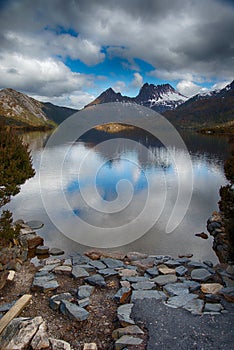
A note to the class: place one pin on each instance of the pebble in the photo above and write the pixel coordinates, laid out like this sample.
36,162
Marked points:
108,272
56,251
123,294
42,250
165,270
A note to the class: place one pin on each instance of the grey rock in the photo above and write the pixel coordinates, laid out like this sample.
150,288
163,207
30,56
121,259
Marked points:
63,270
172,263
147,294
192,285
183,260
112,263
228,282
44,283
200,275
213,225
87,267
84,302
108,272
42,250
79,259
55,300
173,289
85,291
56,251
180,300
73,311
6,306
135,279
67,262
96,280
153,271
40,339
208,263
35,224
211,307
124,314
195,306
228,293
58,344
164,279
48,268
212,298
133,256
143,285
123,294
129,330
127,340
181,270
79,272
97,264
197,265
230,270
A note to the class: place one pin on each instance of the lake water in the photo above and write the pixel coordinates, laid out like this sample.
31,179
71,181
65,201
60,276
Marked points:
136,166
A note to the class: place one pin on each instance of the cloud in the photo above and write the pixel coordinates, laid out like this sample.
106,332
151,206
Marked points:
120,86
137,80
188,88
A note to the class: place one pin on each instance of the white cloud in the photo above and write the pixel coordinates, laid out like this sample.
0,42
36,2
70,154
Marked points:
189,88
220,85
137,80
119,86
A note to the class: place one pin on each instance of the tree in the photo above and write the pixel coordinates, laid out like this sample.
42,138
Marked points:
15,169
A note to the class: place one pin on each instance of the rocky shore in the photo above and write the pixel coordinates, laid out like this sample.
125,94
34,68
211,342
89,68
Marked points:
86,301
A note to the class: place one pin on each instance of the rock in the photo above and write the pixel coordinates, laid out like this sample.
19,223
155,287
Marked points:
48,268
181,270
200,275
59,344
114,255
228,293
55,300
96,280
11,275
129,330
108,272
6,307
87,267
165,270
202,235
123,314
180,300
112,263
67,262
73,311
42,250
192,285
56,251
63,270
33,240
85,291
135,279
84,302
79,272
123,294
211,307
153,271
211,288
185,256
228,282
230,270
40,339
44,284
90,346
79,259
19,333
197,265
173,289
94,254
127,340
164,279
143,285
212,298
172,263
147,294
53,261
144,264
195,306
97,264
125,284
208,263
127,273
213,225
183,260
133,256
35,224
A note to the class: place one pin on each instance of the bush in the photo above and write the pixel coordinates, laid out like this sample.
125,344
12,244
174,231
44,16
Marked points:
7,231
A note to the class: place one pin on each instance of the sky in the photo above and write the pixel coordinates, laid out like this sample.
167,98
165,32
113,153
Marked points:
68,52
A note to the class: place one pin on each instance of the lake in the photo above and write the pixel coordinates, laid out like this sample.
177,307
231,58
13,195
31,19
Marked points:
103,188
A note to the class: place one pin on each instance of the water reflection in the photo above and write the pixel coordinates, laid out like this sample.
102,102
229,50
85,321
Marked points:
135,165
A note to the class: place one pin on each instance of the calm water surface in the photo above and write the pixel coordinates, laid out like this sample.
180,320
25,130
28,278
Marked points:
135,165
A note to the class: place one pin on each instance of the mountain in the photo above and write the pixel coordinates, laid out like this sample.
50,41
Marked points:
205,110
21,110
158,97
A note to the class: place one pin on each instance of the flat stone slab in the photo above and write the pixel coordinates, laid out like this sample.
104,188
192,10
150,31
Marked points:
84,302
135,279
55,300
127,273
194,306
49,268
143,285
123,294
165,270
85,291
79,272
153,271
197,265
172,263
211,288
129,330
35,224
173,289
96,280
97,264
63,270
108,272
211,307
42,250
164,279
228,293
123,314
79,259
180,300
201,275
56,251
147,294
87,267
192,285
127,340
181,270
113,263
44,283
133,256
73,311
